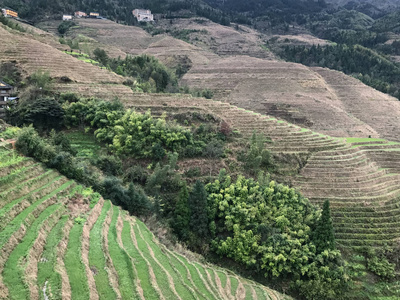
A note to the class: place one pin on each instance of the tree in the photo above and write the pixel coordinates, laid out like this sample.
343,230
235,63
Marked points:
181,218
138,203
324,238
44,114
198,211
101,56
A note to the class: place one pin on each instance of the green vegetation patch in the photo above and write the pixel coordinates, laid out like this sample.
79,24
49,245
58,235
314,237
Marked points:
18,220
14,268
84,144
46,267
121,261
166,263
74,265
140,264
161,276
97,260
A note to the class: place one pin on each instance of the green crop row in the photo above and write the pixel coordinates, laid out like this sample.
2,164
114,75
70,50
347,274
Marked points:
97,259
20,219
74,265
15,267
121,261
46,267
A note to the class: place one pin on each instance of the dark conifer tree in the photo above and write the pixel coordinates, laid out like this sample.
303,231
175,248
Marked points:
324,238
198,211
181,219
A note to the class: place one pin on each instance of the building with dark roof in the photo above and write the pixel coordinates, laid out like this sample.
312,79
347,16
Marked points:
5,91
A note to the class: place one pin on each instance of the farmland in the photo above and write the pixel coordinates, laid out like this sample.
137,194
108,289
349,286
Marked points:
55,245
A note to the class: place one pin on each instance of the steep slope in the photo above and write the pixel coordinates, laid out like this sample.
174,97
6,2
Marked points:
222,40
32,55
357,175
322,100
134,40
54,244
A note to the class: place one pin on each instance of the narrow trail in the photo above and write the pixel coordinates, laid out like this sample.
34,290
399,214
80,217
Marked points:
253,292
187,271
152,276
213,283
169,277
35,254
219,285
112,273
119,227
60,266
240,291
94,214
228,287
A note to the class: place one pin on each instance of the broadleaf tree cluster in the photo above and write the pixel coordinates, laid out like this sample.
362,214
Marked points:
266,227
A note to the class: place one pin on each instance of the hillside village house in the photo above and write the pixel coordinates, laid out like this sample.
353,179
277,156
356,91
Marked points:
143,15
94,15
67,17
7,12
5,91
80,14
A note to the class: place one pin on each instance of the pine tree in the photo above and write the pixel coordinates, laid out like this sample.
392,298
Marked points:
198,211
324,238
181,219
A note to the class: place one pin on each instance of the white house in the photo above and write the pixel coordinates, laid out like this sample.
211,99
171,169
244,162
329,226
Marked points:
143,15
67,17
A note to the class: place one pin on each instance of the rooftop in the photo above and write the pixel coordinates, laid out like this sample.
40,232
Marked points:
5,86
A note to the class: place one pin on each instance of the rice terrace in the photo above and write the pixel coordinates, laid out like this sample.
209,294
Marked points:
200,149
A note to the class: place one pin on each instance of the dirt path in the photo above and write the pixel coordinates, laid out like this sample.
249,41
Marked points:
253,292
219,285
60,266
86,245
189,276
151,271
36,251
170,279
228,287
119,227
240,291
112,273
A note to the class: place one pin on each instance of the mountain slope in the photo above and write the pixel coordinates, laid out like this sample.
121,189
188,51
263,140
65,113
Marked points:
322,100
56,242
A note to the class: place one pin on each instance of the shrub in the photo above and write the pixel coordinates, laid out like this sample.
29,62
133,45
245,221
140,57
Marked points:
65,26
136,174
43,113
111,165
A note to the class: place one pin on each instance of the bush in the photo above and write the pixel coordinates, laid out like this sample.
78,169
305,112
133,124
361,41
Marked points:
43,113
381,267
41,80
65,26
136,174
109,164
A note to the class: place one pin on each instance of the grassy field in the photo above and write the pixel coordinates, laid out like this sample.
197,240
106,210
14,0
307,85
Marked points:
43,252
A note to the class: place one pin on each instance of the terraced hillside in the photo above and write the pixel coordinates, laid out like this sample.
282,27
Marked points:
32,55
134,40
359,176
57,243
320,99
